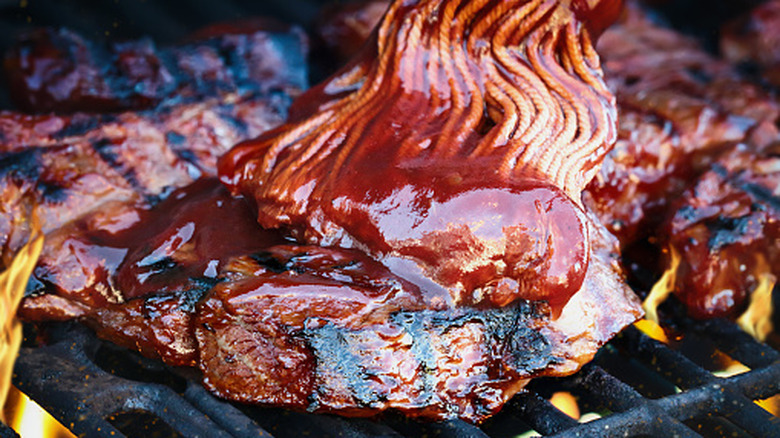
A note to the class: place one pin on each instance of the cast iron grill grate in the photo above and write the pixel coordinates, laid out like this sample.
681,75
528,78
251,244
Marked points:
641,386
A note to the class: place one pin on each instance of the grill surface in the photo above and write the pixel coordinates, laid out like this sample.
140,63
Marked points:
101,390
640,386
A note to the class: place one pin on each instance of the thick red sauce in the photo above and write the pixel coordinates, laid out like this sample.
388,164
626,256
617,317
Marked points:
131,252
198,228
454,149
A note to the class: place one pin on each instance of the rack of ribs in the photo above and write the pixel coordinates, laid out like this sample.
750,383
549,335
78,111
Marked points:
424,244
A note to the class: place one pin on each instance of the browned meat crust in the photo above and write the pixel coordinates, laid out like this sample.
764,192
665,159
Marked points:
87,179
59,70
307,327
679,108
77,164
356,349
726,229
291,325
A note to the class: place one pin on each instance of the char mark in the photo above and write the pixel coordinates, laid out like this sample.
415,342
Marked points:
349,359
106,149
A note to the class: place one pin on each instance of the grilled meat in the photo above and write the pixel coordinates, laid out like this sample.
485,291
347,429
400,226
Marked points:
425,159
135,274
88,179
726,229
473,190
291,324
679,108
753,41
59,70
78,164
357,348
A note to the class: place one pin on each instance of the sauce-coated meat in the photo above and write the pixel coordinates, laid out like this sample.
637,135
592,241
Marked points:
726,229
61,168
679,107
468,264
454,153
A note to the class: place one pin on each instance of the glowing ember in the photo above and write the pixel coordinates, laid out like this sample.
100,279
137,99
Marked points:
757,319
662,288
566,403
13,282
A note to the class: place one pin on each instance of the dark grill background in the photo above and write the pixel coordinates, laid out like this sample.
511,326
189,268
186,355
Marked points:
642,387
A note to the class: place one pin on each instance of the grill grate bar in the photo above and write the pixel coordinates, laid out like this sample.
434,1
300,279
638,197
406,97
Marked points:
66,382
608,390
670,363
635,415
540,414
686,374
222,413
455,429
7,432
705,395
736,343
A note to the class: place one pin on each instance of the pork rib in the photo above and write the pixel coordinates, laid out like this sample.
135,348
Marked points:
726,229
341,329
59,70
679,107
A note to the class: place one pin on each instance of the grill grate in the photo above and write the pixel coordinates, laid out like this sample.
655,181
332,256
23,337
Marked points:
101,390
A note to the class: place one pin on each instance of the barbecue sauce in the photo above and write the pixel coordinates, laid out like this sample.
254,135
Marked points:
454,149
180,244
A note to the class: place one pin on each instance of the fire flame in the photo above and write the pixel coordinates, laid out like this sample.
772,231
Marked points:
566,403
662,288
13,282
757,319
652,329
31,420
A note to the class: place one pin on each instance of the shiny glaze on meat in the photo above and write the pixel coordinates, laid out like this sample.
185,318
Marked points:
60,168
167,257
679,108
454,149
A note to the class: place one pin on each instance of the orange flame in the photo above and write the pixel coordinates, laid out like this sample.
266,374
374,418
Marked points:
771,404
652,329
662,288
13,282
757,319
566,403
30,420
